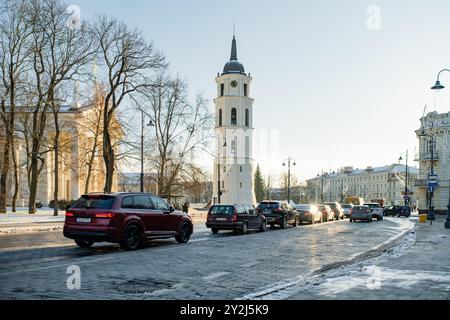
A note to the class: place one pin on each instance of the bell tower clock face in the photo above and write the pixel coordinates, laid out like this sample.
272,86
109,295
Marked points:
234,84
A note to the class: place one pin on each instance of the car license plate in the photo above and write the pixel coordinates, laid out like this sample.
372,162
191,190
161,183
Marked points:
270,219
221,219
84,220
267,211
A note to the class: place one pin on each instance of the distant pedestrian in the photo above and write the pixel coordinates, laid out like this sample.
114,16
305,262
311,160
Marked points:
186,208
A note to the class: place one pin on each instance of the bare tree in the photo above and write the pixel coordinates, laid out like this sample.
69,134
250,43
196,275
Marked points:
127,61
59,53
14,35
180,128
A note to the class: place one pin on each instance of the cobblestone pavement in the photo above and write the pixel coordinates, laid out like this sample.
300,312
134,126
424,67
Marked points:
222,266
417,269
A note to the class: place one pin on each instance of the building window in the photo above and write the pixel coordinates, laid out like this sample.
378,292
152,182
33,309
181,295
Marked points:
224,169
247,117
240,168
223,184
220,117
222,89
245,90
240,184
233,117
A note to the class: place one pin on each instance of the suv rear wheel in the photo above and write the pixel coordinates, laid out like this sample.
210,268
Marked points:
244,228
284,223
132,239
263,227
214,230
84,243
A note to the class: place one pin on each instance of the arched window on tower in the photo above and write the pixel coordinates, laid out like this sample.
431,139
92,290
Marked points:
233,117
220,117
247,118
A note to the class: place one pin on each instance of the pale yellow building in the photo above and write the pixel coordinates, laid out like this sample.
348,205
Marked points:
81,135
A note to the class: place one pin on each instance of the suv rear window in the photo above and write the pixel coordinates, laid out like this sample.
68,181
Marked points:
346,206
94,202
268,205
222,210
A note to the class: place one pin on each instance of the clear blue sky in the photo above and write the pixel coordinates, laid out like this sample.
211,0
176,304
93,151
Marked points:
339,93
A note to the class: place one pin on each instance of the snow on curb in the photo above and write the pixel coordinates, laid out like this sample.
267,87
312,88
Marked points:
29,229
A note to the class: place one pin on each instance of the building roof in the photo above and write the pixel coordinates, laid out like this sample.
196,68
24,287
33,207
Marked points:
233,66
393,168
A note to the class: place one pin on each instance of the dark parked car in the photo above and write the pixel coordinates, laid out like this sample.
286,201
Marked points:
235,217
327,213
397,211
278,213
124,218
361,213
337,209
308,213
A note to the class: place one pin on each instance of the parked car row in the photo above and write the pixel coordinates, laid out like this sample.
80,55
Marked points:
131,218
242,218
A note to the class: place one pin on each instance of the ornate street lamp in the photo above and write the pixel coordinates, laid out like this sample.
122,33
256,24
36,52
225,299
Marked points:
288,160
150,124
439,86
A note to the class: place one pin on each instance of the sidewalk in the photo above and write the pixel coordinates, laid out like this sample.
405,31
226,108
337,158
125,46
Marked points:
43,220
418,269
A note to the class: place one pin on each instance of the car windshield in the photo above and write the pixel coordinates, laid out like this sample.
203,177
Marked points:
268,205
346,206
222,210
360,208
332,205
303,207
372,205
94,202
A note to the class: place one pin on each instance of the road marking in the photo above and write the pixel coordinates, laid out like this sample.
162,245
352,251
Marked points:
215,275
56,266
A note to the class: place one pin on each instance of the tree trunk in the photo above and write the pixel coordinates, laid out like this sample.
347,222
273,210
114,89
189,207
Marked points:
16,176
33,183
90,164
4,176
56,169
108,156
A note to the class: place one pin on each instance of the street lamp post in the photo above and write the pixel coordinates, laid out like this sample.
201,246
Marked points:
289,176
439,86
150,124
406,178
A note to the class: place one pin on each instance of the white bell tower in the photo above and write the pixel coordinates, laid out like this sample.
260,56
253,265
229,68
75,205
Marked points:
233,166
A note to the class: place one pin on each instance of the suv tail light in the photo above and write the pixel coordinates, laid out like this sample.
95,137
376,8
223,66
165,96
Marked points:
69,214
108,215
278,210
235,215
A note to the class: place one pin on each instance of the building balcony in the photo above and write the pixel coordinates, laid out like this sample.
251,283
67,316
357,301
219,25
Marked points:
427,156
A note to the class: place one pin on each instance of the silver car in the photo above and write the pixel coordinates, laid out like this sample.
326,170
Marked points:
361,213
308,213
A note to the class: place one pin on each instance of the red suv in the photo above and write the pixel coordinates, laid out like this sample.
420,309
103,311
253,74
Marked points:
124,218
